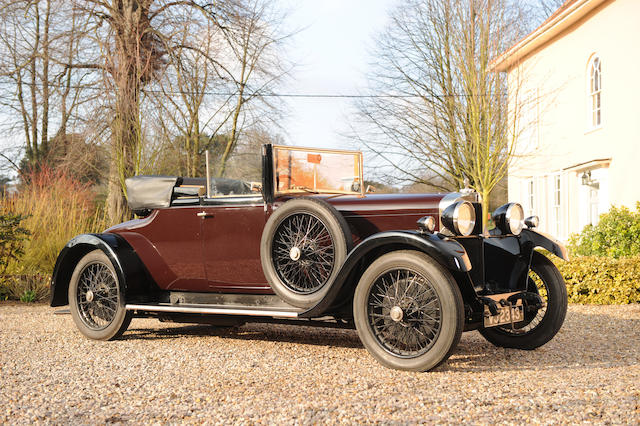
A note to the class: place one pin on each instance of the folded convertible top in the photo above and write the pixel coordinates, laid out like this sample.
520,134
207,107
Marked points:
156,191
150,192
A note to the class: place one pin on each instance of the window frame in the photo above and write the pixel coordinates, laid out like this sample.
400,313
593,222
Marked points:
531,193
594,93
557,202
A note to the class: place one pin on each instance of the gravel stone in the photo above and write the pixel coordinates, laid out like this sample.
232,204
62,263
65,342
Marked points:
265,373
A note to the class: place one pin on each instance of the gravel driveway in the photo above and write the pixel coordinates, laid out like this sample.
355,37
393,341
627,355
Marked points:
173,373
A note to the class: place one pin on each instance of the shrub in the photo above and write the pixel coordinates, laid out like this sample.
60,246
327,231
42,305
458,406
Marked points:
26,288
55,207
602,280
12,238
617,234
29,296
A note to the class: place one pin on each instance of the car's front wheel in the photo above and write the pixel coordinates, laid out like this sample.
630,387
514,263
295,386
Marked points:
95,299
408,311
540,325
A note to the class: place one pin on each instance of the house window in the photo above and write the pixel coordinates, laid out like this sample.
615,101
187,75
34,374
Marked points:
595,92
556,204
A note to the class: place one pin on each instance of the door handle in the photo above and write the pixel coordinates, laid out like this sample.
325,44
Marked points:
204,214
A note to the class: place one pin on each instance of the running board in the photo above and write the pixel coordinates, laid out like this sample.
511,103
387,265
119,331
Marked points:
216,310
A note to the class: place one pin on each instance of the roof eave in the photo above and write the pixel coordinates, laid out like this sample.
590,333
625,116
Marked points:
543,34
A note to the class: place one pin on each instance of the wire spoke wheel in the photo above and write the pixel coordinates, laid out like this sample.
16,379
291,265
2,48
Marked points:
303,252
408,311
95,299
539,325
304,243
404,312
97,296
535,284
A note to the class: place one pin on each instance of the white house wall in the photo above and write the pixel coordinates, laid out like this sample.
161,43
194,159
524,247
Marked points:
559,139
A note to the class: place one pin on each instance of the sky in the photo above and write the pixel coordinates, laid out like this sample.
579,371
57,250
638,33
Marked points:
333,51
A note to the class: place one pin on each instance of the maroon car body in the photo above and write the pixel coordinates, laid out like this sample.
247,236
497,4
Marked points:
220,251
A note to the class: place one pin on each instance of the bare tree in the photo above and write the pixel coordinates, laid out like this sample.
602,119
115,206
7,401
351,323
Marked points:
443,118
134,37
94,65
37,41
189,101
212,90
254,38
547,7
140,38
130,53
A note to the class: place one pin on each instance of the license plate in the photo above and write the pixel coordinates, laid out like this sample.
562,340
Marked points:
506,315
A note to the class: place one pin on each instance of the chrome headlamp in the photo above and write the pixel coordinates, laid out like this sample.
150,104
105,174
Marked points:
509,218
532,221
427,224
460,218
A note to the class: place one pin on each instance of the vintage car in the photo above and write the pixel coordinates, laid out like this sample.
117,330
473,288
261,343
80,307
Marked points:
310,245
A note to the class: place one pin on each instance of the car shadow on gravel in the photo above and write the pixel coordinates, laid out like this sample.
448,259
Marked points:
304,335
585,340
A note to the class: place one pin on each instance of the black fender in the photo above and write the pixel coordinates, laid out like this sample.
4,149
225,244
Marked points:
446,251
542,240
130,270
507,259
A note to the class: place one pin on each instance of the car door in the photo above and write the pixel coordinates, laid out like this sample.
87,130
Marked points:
231,232
170,245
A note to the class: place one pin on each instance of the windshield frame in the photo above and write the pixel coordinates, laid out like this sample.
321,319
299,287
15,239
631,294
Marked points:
357,154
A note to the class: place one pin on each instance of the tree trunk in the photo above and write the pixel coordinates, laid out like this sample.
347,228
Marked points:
126,145
34,92
234,133
131,24
117,209
485,209
44,147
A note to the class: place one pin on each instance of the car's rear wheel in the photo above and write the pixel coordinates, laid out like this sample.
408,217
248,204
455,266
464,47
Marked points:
304,243
95,298
408,311
540,325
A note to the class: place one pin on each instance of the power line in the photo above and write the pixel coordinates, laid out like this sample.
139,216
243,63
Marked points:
276,95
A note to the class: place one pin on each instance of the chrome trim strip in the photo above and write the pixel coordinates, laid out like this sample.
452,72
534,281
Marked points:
308,148
207,310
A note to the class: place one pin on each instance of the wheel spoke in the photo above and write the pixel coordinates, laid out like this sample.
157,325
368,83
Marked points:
315,264
97,296
415,332
537,285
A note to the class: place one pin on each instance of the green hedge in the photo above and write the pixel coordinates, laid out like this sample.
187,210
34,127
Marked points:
602,280
617,234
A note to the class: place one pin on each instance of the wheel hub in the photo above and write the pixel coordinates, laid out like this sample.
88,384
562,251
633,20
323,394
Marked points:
89,296
396,313
295,253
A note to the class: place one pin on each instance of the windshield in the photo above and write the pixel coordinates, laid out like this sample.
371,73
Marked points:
317,170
